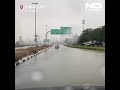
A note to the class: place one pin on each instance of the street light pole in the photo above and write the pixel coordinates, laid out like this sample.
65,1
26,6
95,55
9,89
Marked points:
45,41
35,22
35,25
46,34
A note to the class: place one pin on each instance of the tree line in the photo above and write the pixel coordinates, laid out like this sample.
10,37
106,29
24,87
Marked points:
90,34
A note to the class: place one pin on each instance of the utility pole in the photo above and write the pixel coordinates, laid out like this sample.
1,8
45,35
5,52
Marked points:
35,40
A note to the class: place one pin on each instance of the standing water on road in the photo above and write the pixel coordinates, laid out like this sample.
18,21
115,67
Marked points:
62,67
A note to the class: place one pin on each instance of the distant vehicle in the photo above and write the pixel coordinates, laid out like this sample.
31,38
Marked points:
57,46
87,43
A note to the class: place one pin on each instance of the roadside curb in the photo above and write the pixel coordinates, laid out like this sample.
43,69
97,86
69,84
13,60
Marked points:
29,57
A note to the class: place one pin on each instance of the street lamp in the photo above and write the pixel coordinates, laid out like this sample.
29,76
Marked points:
35,26
46,34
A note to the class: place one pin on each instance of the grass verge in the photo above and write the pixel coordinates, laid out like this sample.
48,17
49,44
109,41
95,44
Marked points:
87,47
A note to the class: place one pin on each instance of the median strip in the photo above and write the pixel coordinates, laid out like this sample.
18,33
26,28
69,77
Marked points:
21,55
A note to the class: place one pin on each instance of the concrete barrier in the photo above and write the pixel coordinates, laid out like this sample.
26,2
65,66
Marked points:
24,58
20,61
29,57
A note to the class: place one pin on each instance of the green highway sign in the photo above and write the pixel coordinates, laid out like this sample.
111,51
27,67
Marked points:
61,31
66,30
55,31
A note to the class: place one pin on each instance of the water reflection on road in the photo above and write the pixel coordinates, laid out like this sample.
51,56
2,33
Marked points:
62,67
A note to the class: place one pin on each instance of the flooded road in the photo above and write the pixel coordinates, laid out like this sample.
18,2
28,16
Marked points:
62,67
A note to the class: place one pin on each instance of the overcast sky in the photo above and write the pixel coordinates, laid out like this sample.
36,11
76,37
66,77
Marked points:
56,13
